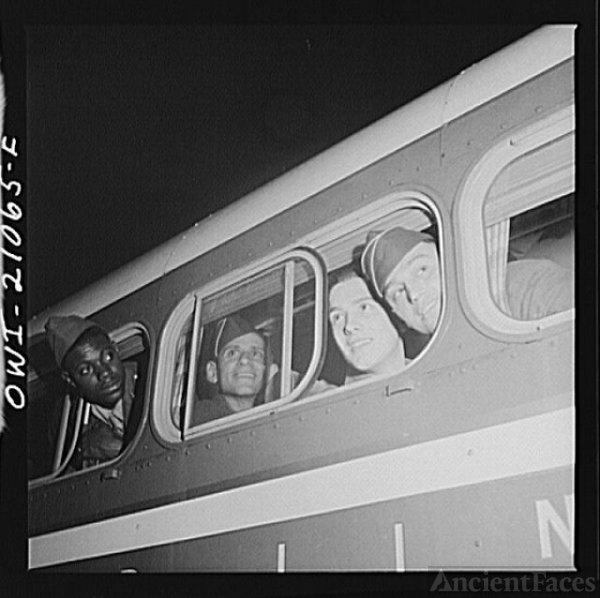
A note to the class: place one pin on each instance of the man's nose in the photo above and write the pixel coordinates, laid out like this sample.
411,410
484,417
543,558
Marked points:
351,324
246,356
103,372
413,292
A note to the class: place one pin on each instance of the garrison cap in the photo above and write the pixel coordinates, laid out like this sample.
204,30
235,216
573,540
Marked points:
385,250
230,328
63,331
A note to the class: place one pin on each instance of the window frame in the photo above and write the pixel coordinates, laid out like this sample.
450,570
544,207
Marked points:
470,226
191,305
398,199
393,201
119,335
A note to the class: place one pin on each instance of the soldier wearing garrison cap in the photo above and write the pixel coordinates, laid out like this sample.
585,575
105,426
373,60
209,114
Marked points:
235,369
403,267
93,370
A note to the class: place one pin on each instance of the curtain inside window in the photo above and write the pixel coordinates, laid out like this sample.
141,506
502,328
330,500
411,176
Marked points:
497,251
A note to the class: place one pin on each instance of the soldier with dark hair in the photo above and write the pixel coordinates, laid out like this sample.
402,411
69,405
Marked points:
362,329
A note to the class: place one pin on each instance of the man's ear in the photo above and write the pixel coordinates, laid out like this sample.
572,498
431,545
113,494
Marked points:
67,378
211,372
71,386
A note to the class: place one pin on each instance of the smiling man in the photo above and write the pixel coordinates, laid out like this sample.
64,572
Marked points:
362,329
403,267
236,370
93,370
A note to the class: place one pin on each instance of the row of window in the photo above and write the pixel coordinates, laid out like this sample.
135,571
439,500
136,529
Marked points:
240,349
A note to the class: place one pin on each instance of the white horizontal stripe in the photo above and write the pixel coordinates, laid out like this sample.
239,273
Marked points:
525,446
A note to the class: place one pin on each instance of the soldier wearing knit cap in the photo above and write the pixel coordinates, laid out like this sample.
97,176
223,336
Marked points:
92,368
236,369
403,268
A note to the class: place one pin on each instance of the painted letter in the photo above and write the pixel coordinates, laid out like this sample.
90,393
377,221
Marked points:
547,516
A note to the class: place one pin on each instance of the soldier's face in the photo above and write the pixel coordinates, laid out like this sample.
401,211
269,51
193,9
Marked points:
241,366
362,329
413,290
95,369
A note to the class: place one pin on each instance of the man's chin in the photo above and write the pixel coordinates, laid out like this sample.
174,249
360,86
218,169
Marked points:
244,393
431,317
363,366
108,401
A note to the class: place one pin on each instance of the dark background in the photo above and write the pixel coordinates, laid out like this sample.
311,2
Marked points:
136,132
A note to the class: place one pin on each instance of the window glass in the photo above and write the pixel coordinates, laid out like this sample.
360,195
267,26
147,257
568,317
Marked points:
529,232
249,344
67,434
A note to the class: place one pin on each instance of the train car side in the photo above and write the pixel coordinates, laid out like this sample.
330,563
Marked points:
465,459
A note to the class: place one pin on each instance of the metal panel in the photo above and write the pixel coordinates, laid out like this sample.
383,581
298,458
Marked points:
520,523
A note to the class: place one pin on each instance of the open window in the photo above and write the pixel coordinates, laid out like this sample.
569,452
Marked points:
242,348
58,420
283,305
341,248
530,232
524,188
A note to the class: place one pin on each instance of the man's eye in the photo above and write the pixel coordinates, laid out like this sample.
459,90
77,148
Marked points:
84,370
366,306
230,353
335,318
258,355
109,355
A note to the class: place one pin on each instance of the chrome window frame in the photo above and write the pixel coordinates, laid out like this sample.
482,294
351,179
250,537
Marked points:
192,304
118,335
313,244
469,225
